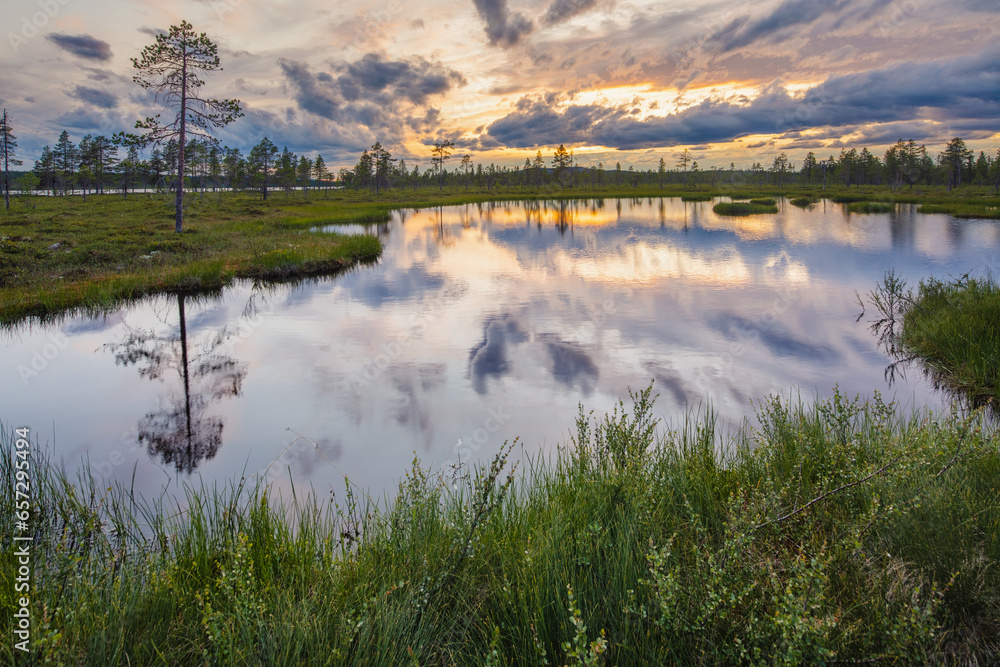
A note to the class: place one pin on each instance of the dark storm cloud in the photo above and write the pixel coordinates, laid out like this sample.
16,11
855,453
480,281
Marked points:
99,98
414,80
372,92
793,15
83,46
312,91
502,28
563,10
965,89
790,13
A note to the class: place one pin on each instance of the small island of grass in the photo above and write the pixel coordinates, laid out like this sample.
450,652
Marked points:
871,207
743,208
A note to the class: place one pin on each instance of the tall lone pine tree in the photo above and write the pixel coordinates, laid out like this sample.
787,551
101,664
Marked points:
8,142
169,68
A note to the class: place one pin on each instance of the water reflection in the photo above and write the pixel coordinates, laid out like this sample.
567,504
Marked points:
486,322
182,433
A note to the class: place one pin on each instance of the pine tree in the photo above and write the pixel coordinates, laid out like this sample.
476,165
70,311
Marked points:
8,146
66,158
561,161
305,172
45,167
169,68
319,170
261,161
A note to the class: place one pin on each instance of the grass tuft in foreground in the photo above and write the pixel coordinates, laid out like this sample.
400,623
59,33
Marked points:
744,208
840,532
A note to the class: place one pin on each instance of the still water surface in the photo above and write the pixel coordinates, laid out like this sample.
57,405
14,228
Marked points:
481,323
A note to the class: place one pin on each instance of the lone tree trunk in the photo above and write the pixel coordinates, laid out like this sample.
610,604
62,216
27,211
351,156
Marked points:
182,144
8,142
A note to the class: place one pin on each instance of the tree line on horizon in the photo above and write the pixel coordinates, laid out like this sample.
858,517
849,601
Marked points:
97,164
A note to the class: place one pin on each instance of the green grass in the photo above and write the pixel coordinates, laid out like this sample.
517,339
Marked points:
803,202
65,253
743,208
763,202
964,210
847,531
951,327
871,207
697,197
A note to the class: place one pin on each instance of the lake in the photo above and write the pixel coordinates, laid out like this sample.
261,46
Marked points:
480,324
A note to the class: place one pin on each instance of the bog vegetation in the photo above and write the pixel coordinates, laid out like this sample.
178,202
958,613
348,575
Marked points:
843,532
951,327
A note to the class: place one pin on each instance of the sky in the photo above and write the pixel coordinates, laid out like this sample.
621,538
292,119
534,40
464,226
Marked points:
614,80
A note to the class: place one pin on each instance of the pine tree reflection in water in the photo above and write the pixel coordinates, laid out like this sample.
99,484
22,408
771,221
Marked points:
181,433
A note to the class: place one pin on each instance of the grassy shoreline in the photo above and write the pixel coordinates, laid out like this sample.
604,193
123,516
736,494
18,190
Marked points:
843,531
58,254
952,327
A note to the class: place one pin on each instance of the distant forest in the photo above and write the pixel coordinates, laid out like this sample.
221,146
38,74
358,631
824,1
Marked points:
98,164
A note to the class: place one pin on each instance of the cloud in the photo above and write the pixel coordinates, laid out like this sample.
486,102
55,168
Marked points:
99,98
571,365
490,357
83,46
415,79
965,89
383,96
789,13
563,10
502,28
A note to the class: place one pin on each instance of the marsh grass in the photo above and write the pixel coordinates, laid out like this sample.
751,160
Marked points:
989,211
843,531
763,202
803,202
871,207
65,253
952,327
744,208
